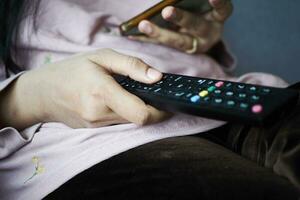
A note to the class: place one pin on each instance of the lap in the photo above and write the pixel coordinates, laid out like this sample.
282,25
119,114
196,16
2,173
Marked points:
176,168
276,146
193,167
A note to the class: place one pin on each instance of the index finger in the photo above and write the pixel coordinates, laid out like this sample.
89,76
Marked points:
118,63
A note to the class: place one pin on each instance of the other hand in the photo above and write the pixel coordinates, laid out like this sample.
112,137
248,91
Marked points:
197,33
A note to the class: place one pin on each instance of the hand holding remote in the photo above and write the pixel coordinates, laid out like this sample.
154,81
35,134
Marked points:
80,92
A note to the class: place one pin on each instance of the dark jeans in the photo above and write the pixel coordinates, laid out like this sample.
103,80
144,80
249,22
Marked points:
204,166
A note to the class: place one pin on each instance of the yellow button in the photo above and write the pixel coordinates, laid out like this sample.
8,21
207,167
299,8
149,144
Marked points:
203,93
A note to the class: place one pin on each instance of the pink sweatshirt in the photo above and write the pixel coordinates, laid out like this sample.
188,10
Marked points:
36,161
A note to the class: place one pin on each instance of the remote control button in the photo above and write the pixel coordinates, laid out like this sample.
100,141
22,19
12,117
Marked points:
229,94
244,106
240,87
228,85
231,103
159,83
151,88
180,86
170,92
219,84
242,96
210,83
179,94
206,99
266,90
211,89
195,99
177,79
218,100
190,88
201,81
217,92
157,90
203,93
189,95
253,89
189,81
257,109
255,98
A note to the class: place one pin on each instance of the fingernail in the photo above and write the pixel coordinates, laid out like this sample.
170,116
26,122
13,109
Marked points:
154,74
169,13
145,27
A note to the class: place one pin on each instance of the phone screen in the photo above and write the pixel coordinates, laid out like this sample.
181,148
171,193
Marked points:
197,6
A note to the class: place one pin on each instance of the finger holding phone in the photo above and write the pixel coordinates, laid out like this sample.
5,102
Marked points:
197,33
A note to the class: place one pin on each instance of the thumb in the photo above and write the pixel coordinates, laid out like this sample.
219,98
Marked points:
130,66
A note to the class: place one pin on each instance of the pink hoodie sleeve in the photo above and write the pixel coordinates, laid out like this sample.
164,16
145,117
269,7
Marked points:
11,139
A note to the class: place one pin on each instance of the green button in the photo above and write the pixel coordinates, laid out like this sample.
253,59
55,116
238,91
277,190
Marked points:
211,89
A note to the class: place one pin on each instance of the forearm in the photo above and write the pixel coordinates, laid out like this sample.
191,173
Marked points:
17,107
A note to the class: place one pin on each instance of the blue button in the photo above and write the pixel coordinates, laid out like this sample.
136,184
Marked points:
195,99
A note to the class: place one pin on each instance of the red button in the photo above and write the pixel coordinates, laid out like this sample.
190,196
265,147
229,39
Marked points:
257,109
219,84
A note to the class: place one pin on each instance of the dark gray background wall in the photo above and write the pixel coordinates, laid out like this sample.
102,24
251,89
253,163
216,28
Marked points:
265,36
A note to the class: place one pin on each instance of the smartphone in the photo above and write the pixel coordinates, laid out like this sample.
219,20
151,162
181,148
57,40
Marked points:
153,14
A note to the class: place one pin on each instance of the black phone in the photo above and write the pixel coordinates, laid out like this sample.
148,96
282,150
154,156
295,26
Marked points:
154,14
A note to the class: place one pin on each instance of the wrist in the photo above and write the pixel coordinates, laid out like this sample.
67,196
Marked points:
19,103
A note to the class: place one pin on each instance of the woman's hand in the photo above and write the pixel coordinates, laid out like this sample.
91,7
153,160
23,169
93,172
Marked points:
197,33
80,92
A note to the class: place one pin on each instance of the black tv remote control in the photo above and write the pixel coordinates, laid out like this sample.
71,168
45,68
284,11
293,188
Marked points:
216,99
